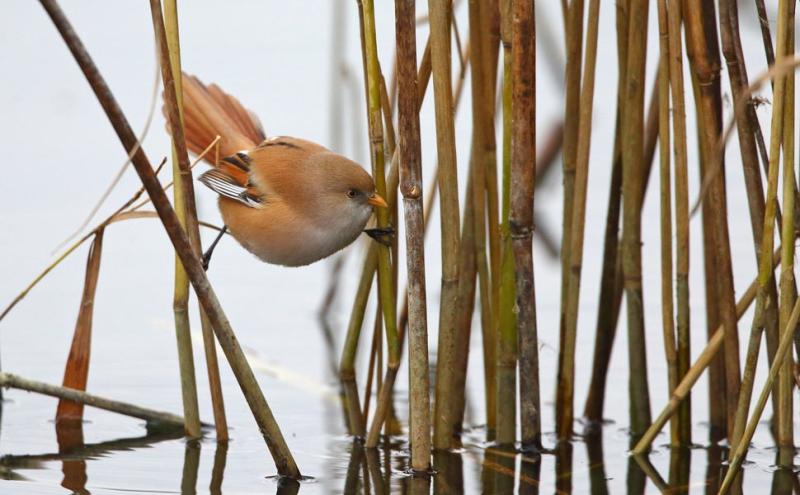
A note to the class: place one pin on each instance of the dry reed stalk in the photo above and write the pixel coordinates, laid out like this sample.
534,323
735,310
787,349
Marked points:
703,52
788,294
781,353
608,313
682,246
703,361
411,189
576,236
385,273
169,60
445,422
665,180
566,379
506,367
76,372
632,166
154,418
523,170
262,414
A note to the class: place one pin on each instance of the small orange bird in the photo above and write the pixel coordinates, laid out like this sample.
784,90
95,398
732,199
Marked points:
288,201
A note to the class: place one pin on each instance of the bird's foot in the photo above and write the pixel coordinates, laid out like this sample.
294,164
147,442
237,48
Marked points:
383,235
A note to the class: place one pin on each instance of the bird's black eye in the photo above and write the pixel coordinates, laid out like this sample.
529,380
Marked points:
352,193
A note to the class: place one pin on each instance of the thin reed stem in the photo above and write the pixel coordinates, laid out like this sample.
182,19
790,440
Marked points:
445,427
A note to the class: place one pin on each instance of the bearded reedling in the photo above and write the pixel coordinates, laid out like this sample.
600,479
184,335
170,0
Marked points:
288,201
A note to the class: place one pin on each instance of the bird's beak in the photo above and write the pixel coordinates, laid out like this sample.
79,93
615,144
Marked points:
377,200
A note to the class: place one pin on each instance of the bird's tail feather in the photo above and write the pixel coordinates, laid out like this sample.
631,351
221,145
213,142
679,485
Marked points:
209,112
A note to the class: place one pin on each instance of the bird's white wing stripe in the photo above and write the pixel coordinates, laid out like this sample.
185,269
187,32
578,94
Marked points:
223,185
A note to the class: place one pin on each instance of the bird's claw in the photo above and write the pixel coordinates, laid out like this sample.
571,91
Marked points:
383,235
206,261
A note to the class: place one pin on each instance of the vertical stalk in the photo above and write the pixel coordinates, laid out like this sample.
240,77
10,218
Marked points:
507,330
385,279
523,170
445,425
411,188
575,237
187,211
667,307
574,42
674,21
632,166
268,427
785,430
180,301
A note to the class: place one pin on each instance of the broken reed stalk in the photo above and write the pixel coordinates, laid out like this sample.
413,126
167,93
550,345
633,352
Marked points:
782,353
76,373
385,278
411,189
506,367
785,419
576,236
523,170
268,427
172,40
632,172
153,417
667,307
445,423
703,53
566,350
682,248
701,363
180,301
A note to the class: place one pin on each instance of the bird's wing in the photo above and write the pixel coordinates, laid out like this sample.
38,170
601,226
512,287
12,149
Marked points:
221,181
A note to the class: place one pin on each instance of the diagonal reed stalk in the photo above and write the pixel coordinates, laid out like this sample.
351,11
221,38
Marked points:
445,422
76,373
411,188
632,168
268,427
523,170
576,236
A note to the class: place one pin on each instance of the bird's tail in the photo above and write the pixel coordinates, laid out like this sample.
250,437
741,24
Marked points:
209,112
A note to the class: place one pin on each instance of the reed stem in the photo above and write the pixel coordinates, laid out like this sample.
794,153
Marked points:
411,189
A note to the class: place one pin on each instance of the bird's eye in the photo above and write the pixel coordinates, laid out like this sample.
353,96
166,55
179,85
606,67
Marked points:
352,193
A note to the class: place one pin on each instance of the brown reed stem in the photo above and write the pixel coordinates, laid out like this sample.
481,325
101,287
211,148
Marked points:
667,306
576,236
566,379
445,422
703,52
523,171
682,247
632,166
153,417
411,189
208,300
